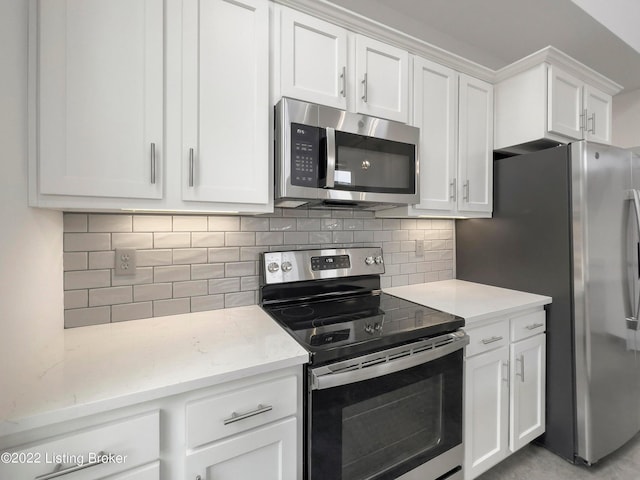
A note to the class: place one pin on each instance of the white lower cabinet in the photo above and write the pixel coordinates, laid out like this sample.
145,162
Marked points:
109,450
242,429
245,432
504,389
268,453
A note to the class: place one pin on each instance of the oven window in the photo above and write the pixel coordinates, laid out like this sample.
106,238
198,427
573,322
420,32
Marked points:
411,425
374,165
386,426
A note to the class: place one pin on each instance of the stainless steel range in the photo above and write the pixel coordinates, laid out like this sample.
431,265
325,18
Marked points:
384,383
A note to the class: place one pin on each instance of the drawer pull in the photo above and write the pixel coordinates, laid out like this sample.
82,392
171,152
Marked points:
487,341
236,417
533,326
58,471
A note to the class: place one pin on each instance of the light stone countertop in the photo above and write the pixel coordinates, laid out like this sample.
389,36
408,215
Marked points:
472,301
88,370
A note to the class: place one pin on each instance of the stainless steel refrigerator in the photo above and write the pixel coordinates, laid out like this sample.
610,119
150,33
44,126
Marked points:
565,224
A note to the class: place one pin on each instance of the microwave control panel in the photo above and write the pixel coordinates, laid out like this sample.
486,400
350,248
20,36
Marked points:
305,155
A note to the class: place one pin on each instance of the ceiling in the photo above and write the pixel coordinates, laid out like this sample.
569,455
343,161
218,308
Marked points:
495,33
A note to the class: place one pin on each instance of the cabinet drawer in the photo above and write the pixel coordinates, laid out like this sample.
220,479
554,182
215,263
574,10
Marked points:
487,337
528,325
233,412
102,450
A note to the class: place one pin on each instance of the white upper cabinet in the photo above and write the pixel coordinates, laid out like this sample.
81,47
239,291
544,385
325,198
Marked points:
435,95
225,101
382,80
598,107
455,115
313,59
100,87
318,62
549,98
565,104
578,110
151,105
475,145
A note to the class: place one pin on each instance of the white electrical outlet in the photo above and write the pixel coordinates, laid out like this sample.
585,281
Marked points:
125,263
419,248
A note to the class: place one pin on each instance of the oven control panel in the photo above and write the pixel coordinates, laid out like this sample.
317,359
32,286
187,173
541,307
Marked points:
330,262
299,265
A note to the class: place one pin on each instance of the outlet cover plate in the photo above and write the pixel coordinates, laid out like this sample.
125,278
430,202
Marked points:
125,261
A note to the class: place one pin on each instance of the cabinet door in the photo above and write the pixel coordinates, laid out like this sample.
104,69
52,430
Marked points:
475,145
486,411
382,80
564,109
313,60
527,391
225,101
598,106
100,97
267,453
435,94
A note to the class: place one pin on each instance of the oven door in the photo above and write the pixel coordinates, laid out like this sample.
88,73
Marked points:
388,413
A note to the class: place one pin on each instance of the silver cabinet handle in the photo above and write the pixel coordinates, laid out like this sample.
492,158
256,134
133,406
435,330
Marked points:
505,372
153,163
454,187
58,471
533,326
364,88
236,417
487,341
583,120
343,78
521,374
593,123
331,158
465,191
191,166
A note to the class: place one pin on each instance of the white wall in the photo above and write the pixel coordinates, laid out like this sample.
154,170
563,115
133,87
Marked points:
31,302
626,119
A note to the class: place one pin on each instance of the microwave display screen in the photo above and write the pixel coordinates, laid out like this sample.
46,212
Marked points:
305,154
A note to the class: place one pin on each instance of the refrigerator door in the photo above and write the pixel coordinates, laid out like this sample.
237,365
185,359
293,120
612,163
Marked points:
607,387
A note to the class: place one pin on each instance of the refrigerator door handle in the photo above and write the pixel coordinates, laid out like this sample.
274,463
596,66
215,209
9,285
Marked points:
632,322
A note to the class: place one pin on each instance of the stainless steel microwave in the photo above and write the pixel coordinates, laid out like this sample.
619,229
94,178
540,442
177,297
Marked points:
326,157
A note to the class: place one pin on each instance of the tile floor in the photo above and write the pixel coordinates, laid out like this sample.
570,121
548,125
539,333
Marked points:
536,463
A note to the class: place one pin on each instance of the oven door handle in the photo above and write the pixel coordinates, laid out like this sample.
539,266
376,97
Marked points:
323,377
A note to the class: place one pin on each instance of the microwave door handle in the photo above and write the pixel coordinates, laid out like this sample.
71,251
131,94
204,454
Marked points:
331,158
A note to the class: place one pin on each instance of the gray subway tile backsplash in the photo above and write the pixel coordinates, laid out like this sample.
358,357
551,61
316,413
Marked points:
196,263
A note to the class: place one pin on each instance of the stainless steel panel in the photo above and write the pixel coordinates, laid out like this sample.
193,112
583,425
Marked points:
300,261
289,110
607,389
387,361
439,466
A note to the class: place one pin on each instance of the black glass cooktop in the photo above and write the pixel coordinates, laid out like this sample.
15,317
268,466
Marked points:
351,325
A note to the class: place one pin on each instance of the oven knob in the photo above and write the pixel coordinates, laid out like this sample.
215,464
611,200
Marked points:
286,266
377,327
369,260
273,267
368,329
379,259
